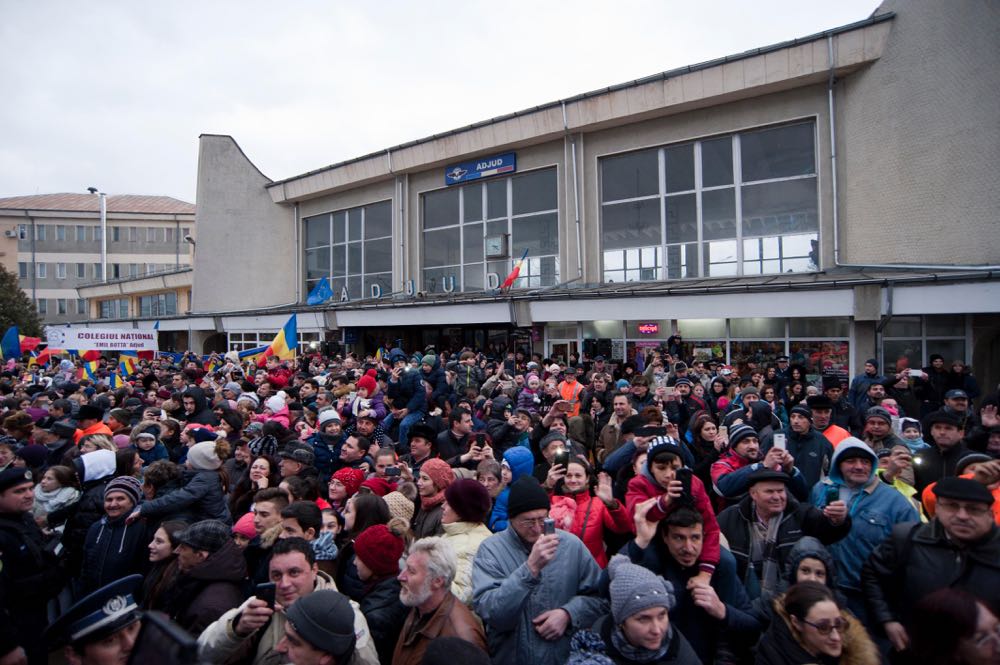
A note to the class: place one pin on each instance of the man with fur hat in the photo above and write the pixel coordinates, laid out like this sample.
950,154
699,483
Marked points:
874,506
638,629
521,570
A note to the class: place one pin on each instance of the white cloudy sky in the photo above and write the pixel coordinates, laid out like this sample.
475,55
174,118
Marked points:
114,93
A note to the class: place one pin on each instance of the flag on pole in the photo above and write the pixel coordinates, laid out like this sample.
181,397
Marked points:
320,293
116,381
127,362
29,344
10,345
509,282
252,353
285,343
88,371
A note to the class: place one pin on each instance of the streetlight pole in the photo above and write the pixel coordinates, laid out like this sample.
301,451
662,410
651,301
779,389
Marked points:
104,232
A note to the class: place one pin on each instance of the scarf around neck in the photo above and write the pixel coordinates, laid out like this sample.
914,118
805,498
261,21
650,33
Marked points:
429,502
640,654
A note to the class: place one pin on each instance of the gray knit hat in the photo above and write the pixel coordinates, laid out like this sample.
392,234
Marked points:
634,589
325,620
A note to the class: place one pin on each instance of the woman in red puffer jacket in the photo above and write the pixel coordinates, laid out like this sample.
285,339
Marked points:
584,510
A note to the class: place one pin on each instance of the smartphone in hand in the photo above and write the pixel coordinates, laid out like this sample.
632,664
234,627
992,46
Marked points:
265,591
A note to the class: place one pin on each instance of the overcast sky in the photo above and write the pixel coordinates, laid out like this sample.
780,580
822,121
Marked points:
115,93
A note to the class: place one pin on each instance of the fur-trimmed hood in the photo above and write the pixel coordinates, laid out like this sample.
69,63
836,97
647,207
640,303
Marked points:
781,646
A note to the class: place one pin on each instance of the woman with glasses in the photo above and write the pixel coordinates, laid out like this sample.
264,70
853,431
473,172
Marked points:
810,626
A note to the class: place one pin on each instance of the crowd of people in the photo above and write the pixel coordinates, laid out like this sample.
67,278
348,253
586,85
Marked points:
430,507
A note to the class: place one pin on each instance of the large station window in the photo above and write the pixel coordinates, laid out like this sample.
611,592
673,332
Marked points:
352,248
744,204
457,221
908,342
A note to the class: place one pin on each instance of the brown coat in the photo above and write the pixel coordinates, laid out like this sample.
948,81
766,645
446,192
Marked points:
451,619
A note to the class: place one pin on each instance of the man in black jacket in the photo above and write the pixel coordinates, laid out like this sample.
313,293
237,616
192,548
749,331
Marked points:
959,548
763,527
29,576
947,447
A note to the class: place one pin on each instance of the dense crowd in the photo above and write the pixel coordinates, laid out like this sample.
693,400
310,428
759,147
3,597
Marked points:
434,507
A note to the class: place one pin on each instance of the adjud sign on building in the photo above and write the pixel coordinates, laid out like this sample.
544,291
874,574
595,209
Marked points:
480,168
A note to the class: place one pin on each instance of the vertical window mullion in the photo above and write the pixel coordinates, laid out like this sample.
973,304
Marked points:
362,272
661,156
698,207
461,237
738,193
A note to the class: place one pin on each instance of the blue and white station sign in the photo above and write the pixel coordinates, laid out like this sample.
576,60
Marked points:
480,168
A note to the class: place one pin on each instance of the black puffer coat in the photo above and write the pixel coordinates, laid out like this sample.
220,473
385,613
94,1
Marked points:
113,550
385,615
201,497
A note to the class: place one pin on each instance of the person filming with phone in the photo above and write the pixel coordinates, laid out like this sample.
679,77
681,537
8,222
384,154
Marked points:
528,567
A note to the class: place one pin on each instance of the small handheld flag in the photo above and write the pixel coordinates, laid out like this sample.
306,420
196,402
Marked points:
285,343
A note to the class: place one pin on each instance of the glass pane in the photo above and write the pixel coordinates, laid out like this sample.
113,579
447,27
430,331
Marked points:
378,220
472,202
440,208
702,328
378,255
354,259
682,218
382,279
951,349
317,231
539,234
441,248
435,279
777,153
339,227
538,272
903,326
472,242
680,168
720,258
474,279
946,326
629,176
500,268
498,227
718,214
820,327
340,260
354,287
821,358
900,354
757,353
534,192
633,224
614,260
354,224
717,162
496,198
757,327
317,263
780,207
682,261
337,284
603,329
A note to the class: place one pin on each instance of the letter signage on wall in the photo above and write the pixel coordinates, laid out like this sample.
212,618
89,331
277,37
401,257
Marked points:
103,339
480,168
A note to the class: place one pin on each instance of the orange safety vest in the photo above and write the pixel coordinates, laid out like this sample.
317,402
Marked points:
571,393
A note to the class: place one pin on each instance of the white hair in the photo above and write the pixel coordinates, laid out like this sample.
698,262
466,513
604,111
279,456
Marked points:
441,560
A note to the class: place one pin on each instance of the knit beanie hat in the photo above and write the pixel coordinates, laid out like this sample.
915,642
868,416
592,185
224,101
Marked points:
526,493
326,415
121,441
275,402
439,472
234,388
207,536
201,434
202,456
378,486
878,412
128,486
429,360
872,361
367,382
635,588
350,478
802,410
324,619
662,444
244,526
469,499
399,506
739,432
379,549
249,397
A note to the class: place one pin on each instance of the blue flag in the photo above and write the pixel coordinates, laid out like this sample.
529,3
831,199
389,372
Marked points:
10,345
320,293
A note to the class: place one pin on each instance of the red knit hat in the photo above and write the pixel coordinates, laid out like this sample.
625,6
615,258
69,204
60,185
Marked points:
439,472
367,382
379,549
350,478
378,486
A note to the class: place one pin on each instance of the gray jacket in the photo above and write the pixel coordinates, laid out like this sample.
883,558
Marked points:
507,597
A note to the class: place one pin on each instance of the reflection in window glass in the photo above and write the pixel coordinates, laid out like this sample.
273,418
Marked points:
757,327
717,162
472,202
702,328
629,176
539,234
334,247
950,349
682,218
821,358
534,192
780,152
680,168
317,231
441,248
819,327
718,209
440,208
631,224
496,198
903,326
945,326
900,354
378,220
472,242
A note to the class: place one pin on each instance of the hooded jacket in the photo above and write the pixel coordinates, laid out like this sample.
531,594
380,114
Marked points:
874,509
521,463
213,587
202,412
779,646
201,497
588,518
437,380
408,392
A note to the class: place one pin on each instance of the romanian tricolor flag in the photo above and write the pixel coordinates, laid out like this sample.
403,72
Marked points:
116,381
88,371
509,282
29,344
212,364
86,356
285,343
127,363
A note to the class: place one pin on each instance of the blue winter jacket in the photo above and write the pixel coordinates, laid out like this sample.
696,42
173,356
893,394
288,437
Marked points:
521,463
874,509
